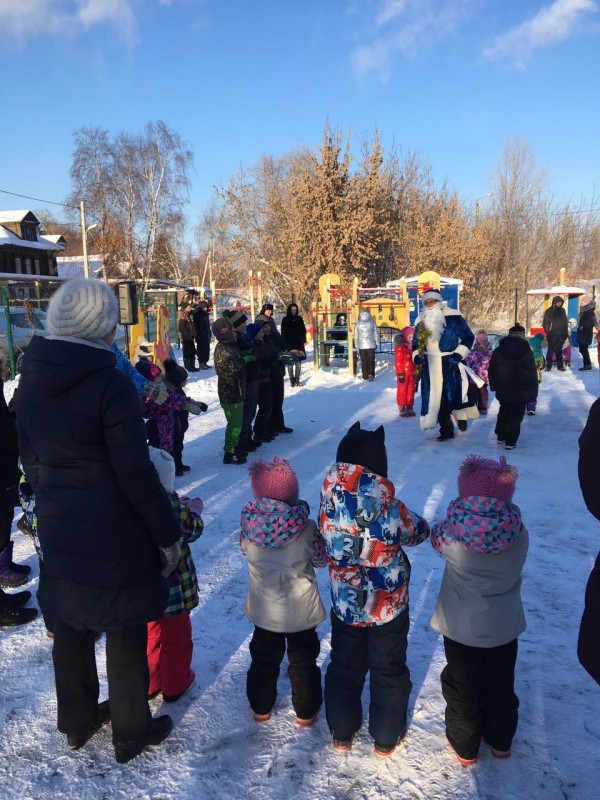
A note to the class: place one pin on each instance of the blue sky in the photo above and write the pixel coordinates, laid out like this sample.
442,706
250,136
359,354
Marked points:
449,79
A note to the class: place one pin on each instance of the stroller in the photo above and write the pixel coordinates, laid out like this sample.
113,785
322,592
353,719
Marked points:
566,352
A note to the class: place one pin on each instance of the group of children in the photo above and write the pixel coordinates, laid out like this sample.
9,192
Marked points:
361,530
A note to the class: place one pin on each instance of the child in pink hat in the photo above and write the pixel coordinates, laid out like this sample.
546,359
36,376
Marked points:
479,610
282,546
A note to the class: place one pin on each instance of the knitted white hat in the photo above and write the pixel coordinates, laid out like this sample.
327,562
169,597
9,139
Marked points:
84,309
432,294
165,466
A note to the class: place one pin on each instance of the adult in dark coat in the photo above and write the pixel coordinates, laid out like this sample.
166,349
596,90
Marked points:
588,647
585,329
293,331
513,377
187,334
104,518
556,328
201,317
277,423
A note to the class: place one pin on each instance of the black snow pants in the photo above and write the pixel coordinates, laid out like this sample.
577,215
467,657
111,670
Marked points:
267,650
508,423
478,687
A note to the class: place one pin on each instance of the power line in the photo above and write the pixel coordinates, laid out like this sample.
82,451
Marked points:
39,200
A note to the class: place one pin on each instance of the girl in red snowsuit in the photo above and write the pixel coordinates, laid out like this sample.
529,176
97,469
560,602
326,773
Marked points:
405,372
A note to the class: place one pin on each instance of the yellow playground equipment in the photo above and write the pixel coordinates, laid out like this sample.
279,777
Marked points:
389,308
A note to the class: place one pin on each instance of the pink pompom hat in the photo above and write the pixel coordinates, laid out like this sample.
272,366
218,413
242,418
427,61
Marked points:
484,477
274,479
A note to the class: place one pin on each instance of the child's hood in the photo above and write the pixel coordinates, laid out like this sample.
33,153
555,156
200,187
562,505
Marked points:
367,495
479,524
271,524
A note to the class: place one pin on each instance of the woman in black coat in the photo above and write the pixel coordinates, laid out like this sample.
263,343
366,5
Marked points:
588,647
293,331
104,519
585,329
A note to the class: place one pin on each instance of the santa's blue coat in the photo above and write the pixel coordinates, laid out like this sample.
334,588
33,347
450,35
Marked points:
456,333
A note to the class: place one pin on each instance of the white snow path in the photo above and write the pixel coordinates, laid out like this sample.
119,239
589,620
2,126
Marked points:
217,751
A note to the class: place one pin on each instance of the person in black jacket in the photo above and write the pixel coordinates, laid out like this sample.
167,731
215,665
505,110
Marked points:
201,317
277,422
585,329
588,646
187,333
556,328
293,331
513,377
105,523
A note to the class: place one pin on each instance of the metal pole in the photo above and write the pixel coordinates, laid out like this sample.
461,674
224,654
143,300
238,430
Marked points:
9,340
251,287
516,305
86,266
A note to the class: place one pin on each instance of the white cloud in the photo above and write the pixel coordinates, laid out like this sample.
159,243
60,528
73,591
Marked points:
23,20
408,27
553,24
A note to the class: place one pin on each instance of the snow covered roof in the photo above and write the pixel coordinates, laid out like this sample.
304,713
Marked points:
55,237
15,216
42,243
562,289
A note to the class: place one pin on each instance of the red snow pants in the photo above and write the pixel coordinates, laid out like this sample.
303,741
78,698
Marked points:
170,654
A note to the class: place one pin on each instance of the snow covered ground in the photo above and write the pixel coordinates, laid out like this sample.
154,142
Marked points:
218,752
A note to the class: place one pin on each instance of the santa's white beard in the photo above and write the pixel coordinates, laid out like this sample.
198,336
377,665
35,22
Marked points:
435,321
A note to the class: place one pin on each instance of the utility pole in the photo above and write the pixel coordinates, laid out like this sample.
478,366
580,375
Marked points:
86,266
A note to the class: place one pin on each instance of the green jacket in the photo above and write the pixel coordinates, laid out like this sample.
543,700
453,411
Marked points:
231,372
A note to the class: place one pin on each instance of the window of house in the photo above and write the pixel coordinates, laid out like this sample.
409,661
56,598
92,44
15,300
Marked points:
37,266
28,266
18,264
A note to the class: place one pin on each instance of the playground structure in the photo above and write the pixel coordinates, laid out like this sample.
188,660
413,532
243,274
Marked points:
538,300
229,298
449,288
392,307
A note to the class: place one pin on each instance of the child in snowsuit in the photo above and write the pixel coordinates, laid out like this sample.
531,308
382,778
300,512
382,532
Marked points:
166,422
535,342
479,610
513,377
170,644
478,360
364,527
405,372
231,372
282,546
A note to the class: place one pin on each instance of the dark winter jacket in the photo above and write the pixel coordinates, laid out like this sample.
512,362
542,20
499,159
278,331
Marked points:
293,330
231,372
512,371
201,318
186,327
587,323
102,510
248,350
555,322
276,337
588,648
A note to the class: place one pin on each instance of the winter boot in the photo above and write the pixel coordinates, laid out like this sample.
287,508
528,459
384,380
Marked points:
402,411
14,600
409,412
160,728
341,745
462,425
77,739
384,750
11,617
11,574
234,458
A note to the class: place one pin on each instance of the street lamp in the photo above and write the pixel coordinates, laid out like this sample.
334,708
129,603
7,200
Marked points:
84,233
483,197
